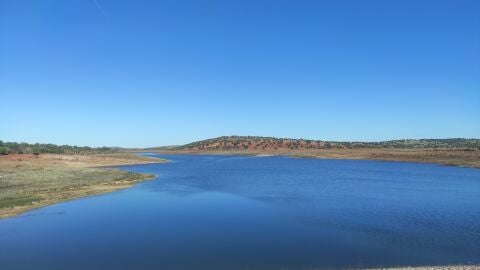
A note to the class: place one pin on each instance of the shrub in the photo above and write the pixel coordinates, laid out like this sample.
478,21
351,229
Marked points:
4,150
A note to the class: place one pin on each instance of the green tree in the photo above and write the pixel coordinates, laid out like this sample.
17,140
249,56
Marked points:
3,150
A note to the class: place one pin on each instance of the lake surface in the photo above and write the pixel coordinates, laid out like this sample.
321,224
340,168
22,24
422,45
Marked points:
235,212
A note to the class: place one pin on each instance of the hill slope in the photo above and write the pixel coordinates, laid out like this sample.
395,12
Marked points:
253,143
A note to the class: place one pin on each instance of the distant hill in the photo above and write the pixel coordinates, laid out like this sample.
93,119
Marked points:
255,143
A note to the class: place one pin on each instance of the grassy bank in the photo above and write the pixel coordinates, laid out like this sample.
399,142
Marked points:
32,181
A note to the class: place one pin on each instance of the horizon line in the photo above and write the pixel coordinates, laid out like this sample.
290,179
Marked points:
251,136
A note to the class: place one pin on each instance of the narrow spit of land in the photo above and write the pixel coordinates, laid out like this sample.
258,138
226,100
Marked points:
30,181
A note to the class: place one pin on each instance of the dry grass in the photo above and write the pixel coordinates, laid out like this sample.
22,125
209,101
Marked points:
29,181
98,160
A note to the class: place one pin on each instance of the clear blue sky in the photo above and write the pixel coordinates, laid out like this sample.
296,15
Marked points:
148,73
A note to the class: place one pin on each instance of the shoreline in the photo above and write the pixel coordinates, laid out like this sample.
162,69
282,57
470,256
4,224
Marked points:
29,182
437,267
459,158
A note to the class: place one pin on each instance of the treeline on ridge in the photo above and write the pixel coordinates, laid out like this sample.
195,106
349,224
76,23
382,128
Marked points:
40,148
272,143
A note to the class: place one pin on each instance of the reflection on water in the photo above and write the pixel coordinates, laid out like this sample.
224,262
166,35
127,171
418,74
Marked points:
232,212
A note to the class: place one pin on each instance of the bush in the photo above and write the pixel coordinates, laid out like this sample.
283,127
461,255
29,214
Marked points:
4,150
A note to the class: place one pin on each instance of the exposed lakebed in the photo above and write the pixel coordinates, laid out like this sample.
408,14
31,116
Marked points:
238,212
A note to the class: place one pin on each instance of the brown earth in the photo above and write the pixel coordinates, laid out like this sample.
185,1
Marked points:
97,160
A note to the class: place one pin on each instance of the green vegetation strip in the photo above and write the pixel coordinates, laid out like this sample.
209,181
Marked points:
26,148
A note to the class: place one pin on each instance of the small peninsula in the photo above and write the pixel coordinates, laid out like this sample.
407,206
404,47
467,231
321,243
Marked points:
34,176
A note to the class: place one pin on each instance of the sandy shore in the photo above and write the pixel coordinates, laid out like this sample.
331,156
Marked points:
449,157
30,181
448,267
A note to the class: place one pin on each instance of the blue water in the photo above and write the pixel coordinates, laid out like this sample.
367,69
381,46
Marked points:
235,212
